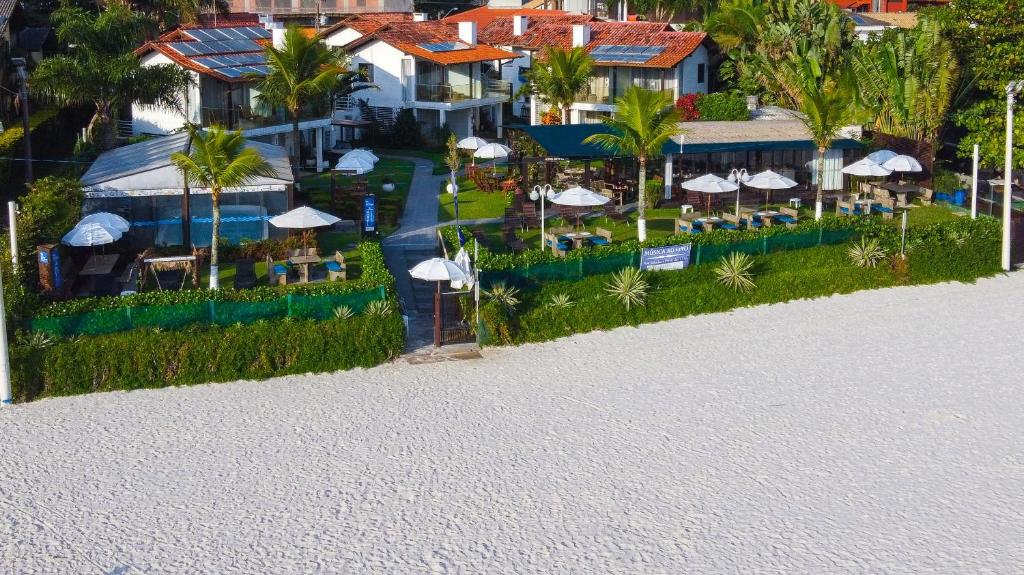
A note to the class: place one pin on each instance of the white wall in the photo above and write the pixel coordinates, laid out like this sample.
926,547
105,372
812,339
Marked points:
342,37
687,81
510,73
387,74
161,120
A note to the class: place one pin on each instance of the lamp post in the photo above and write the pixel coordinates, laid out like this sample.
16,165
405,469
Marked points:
542,193
1012,89
974,183
738,177
19,63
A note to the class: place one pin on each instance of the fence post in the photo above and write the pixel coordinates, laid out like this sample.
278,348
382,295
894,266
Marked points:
764,245
288,298
699,246
820,233
128,314
213,312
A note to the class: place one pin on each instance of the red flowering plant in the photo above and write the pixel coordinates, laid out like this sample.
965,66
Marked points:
687,106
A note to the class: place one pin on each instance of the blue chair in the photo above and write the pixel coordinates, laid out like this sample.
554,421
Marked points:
599,241
280,269
786,219
728,226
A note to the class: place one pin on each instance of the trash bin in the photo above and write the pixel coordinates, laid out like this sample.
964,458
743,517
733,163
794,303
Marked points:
959,197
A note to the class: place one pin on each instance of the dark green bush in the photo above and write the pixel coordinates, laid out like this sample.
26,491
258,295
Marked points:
204,354
722,107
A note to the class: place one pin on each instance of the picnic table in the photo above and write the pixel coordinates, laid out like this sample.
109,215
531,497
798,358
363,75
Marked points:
303,262
900,190
99,265
578,238
709,222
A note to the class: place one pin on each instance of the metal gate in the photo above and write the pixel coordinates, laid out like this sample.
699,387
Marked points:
456,307
1017,237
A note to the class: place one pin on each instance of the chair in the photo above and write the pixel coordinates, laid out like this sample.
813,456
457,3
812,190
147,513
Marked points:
847,208
885,207
277,274
514,242
730,222
748,219
602,237
558,246
245,274
130,279
926,196
336,269
530,217
788,216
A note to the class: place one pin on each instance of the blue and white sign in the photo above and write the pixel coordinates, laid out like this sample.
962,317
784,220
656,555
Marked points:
666,258
370,213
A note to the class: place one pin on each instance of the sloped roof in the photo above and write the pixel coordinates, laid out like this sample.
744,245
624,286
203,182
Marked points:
230,61
410,37
899,19
485,15
146,169
366,23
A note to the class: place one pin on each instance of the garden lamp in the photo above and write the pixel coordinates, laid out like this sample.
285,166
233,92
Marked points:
542,193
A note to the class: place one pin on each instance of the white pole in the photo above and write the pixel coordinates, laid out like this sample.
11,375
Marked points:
5,368
974,183
903,235
1011,92
12,216
476,287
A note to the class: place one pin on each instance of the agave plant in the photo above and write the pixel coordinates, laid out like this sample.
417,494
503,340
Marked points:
36,340
629,287
379,308
735,271
343,312
867,253
560,301
506,296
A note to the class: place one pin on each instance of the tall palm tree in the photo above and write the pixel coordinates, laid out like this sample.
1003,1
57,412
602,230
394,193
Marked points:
643,122
100,69
219,159
561,76
828,103
303,72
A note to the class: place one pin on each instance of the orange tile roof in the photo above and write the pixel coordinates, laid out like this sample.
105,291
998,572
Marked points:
367,23
484,15
539,31
408,36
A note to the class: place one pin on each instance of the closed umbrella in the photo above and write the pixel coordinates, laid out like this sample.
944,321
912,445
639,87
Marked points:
902,163
363,153
462,260
579,197
472,144
357,164
492,152
439,270
712,184
107,220
881,156
91,234
768,181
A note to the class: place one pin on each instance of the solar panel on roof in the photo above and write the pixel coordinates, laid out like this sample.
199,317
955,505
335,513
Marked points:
236,33
444,46
214,47
626,54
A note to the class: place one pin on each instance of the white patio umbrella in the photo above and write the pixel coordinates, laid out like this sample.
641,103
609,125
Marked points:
492,152
91,234
579,197
303,218
768,181
472,144
107,220
868,168
881,156
712,184
439,270
358,164
902,163
363,153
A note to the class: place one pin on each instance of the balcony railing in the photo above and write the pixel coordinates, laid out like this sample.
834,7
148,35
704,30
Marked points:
443,92
245,118
497,89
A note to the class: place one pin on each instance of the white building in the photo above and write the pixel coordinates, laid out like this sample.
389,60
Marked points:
437,69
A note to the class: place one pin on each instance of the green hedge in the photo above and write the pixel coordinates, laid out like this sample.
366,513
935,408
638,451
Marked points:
203,354
960,250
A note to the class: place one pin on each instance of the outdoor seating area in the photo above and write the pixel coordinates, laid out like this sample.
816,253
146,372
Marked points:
306,265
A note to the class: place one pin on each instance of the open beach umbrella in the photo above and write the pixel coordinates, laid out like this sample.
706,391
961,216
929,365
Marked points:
472,144
358,164
881,156
868,168
768,181
492,152
439,270
107,220
91,234
302,218
579,197
363,153
712,184
902,163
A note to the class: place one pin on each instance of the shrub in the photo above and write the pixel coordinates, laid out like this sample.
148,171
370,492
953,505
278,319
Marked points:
560,300
735,271
723,107
505,296
406,130
379,309
687,106
343,312
866,253
629,287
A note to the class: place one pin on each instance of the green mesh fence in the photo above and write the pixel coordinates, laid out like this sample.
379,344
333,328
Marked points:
701,254
217,312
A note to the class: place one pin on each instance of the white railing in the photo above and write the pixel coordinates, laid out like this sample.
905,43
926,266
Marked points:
497,88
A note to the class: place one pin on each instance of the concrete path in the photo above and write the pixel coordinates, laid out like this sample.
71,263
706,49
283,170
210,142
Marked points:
877,432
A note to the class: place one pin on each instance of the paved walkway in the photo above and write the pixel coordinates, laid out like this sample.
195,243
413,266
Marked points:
878,432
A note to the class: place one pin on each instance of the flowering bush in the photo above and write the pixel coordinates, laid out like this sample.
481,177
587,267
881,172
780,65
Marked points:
687,106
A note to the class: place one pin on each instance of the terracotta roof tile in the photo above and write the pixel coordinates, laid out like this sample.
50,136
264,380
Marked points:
408,36
367,23
484,15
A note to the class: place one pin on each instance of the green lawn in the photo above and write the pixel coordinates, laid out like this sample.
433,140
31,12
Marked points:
316,191
473,203
435,155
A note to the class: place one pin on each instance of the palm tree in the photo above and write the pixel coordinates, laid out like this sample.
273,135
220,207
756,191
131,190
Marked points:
644,120
100,69
303,72
219,159
561,76
828,104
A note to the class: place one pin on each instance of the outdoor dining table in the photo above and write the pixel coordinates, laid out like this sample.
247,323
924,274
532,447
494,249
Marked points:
578,238
304,262
900,190
709,222
98,265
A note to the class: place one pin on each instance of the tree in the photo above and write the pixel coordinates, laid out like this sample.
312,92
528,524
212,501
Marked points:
219,159
828,103
643,122
910,79
100,69
168,13
303,72
561,76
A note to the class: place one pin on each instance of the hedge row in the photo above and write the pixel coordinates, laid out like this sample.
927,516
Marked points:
203,354
959,250
374,274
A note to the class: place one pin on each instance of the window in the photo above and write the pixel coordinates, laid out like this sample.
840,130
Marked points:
366,72
700,73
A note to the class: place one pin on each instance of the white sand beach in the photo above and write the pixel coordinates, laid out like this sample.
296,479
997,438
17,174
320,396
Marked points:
879,432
